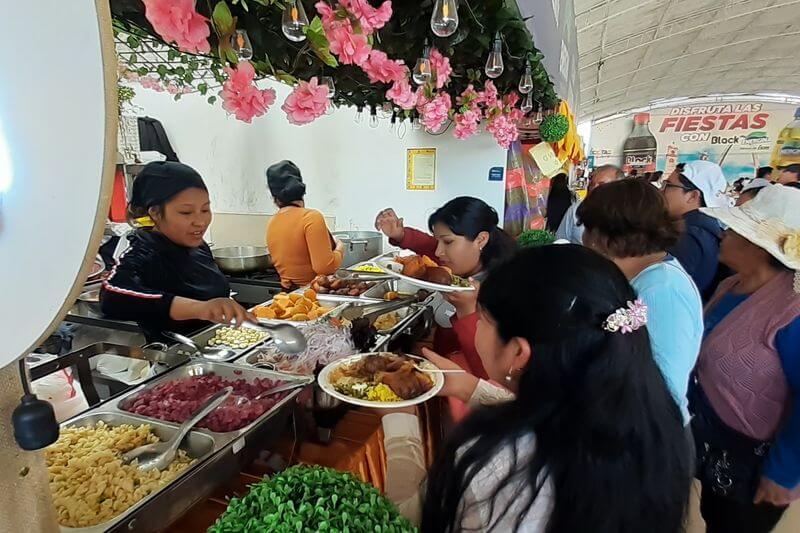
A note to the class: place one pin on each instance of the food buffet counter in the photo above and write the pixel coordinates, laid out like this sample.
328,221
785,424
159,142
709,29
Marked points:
321,427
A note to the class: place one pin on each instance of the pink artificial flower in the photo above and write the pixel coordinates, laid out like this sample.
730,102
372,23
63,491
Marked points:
504,130
489,94
131,75
466,124
307,102
511,99
402,94
380,68
241,97
369,18
351,48
326,13
434,113
177,21
440,65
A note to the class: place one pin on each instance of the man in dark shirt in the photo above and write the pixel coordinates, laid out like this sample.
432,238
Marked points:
698,184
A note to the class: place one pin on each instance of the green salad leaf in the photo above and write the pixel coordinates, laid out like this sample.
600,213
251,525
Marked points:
307,499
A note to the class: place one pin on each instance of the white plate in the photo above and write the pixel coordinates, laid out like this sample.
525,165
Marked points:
324,382
387,260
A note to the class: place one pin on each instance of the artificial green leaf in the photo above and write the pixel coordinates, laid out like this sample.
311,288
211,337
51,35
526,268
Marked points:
133,58
319,42
285,77
142,71
203,88
180,71
162,70
211,100
133,41
223,19
172,54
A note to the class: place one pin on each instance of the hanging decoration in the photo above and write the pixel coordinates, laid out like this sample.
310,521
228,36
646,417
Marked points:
554,128
362,48
569,147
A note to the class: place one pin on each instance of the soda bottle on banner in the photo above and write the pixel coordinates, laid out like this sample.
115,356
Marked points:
672,158
787,146
639,150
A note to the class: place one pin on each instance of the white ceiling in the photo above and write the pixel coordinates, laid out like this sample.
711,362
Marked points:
632,52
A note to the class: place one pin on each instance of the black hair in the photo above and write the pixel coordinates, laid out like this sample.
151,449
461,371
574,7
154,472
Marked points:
656,176
285,183
468,217
158,183
764,172
688,186
559,198
608,435
680,166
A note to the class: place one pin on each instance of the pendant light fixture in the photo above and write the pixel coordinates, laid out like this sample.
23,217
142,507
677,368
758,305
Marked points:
494,63
240,42
422,70
294,21
373,118
526,81
527,104
328,80
444,19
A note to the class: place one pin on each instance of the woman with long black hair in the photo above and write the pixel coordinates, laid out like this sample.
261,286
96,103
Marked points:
559,200
592,439
466,239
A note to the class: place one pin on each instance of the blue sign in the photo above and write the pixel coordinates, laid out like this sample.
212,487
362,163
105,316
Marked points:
496,174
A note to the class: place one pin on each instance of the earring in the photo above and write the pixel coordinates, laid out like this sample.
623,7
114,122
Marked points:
509,379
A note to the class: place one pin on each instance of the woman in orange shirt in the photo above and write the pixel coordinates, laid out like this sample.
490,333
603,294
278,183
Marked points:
298,240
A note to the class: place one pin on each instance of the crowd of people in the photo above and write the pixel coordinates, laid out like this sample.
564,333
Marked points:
659,344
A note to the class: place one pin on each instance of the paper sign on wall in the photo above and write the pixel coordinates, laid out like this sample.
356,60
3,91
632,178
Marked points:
496,174
421,169
546,159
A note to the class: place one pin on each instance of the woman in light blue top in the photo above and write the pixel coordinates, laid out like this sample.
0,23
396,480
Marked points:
628,222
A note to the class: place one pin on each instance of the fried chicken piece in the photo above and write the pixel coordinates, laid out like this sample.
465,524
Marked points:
406,381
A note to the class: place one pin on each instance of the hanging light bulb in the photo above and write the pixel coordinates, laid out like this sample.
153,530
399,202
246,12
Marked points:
327,80
402,129
526,81
393,122
422,70
444,20
331,109
294,21
494,63
359,118
416,125
538,118
373,118
240,42
527,104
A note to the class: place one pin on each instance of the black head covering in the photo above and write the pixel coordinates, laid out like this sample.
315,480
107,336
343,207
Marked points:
161,180
285,182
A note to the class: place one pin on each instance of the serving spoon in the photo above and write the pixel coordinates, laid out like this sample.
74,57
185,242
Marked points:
161,454
241,400
287,338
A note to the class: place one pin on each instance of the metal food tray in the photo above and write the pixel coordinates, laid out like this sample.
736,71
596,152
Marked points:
396,285
197,446
338,303
202,338
225,370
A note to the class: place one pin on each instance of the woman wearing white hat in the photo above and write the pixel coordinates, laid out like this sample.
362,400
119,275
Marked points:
699,184
746,395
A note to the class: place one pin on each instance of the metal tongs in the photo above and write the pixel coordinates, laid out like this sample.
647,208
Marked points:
373,311
349,274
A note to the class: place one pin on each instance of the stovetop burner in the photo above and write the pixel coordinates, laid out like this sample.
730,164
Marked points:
269,276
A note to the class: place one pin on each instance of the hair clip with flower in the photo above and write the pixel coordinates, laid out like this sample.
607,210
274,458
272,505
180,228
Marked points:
627,319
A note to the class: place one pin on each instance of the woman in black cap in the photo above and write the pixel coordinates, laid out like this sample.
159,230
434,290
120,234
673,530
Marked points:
298,240
167,279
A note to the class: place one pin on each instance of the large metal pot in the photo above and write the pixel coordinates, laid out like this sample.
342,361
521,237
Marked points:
242,259
359,245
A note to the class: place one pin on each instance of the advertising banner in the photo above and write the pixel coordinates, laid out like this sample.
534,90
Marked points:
739,136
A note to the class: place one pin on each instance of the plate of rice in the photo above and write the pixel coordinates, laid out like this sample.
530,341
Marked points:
381,380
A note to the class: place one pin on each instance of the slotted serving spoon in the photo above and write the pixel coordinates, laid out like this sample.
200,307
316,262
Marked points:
160,454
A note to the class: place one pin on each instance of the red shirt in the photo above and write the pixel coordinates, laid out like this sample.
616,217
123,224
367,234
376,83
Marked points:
461,337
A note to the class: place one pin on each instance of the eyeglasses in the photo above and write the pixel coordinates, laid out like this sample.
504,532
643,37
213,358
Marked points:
668,185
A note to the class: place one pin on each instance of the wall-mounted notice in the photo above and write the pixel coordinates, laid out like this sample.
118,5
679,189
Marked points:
421,169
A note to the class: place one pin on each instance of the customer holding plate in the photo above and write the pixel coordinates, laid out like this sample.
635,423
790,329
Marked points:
467,240
298,240
590,439
167,279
